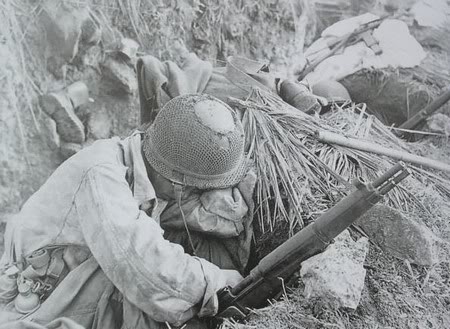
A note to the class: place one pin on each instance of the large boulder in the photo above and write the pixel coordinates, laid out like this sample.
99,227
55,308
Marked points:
337,275
119,76
60,108
400,236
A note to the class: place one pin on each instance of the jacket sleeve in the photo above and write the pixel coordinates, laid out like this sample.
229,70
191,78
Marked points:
218,212
152,273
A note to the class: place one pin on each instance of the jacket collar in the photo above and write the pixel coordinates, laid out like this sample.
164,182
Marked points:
137,177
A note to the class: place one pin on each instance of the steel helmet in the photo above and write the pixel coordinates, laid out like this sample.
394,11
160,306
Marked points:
331,90
197,140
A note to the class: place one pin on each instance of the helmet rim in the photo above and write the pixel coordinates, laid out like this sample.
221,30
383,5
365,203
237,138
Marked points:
181,173
189,178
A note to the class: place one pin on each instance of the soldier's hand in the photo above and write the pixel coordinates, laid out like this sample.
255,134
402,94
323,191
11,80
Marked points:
232,277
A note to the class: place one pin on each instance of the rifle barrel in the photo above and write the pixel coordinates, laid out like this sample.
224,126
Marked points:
416,119
388,174
393,182
263,281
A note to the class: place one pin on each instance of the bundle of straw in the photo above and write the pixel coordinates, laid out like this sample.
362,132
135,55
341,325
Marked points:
286,168
298,177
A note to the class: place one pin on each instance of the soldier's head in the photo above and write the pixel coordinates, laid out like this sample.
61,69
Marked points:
196,141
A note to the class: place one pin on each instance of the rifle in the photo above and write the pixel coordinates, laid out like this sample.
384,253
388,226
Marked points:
363,33
420,116
266,279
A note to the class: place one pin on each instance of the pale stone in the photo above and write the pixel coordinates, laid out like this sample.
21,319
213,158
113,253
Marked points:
120,75
439,123
399,49
99,125
129,47
337,275
69,149
59,107
400,236
50,133
431,13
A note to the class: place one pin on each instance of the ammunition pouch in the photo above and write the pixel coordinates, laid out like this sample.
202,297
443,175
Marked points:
46,269
43,270
8,285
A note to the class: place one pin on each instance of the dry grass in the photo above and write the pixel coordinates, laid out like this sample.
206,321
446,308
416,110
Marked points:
299,177
20,86
396,295
288,170
156,25
212,28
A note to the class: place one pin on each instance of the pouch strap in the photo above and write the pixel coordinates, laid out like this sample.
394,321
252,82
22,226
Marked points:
56,269
39,258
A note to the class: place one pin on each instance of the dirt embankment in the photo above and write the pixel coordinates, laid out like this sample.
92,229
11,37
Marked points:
48,45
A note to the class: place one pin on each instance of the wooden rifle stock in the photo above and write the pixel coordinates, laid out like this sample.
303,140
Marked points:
266,279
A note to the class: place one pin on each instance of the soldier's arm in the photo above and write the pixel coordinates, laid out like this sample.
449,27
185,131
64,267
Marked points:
152,273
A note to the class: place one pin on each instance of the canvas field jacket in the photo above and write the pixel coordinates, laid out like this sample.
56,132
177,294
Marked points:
94,199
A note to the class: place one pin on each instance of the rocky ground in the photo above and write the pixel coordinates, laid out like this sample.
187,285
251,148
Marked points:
47,45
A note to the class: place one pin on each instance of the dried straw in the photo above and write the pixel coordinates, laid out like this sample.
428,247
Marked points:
299,177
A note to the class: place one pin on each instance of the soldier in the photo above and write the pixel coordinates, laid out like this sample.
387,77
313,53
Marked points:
161,81
88,245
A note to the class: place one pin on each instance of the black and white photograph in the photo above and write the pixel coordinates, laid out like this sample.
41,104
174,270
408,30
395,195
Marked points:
238,164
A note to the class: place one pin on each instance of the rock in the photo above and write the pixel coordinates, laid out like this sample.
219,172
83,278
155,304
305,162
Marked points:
439,123
62,22
49,133
111,38
337,274
59,107
129,48
178,51
91,32
400,236
92,57
78,94
393,42
120,75
431,13
99,125
69,149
